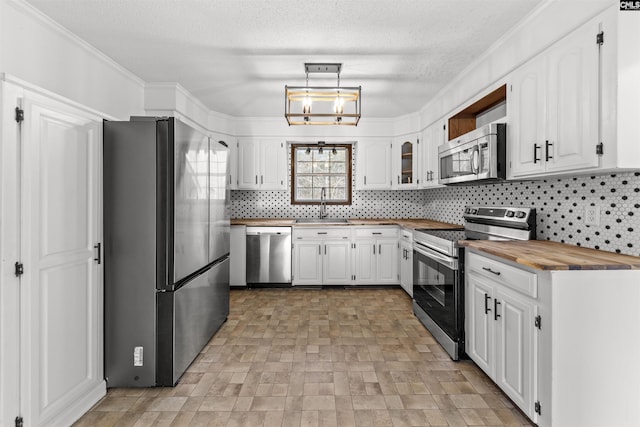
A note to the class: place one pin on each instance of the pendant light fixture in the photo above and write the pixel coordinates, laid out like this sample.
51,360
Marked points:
322,105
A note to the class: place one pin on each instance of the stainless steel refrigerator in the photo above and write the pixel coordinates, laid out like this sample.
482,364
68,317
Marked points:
166,260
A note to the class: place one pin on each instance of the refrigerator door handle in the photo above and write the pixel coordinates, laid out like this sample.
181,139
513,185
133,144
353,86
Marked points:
98,248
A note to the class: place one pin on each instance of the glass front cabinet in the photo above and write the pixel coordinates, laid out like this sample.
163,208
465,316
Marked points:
405,162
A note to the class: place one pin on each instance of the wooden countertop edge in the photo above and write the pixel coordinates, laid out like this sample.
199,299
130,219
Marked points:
589,259
403,222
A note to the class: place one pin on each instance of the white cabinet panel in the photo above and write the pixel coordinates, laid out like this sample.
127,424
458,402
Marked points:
365,262
238,256
262,165
373,165
554,102
307,262
387,261
337,262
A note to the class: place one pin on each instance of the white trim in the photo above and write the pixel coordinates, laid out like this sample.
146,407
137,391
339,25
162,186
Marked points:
52,95
27,8
78,408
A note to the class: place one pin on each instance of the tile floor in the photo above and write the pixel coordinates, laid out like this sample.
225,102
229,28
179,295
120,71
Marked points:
326,357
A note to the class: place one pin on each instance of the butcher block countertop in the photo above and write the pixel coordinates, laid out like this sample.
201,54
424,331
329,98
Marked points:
547,255
288,222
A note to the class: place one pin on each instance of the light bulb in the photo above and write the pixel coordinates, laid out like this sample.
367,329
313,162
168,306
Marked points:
338,105
306,105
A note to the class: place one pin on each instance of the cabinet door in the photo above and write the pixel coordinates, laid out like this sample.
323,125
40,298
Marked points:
238,256
527,124
248,164
232,179
373,170
307,262
387,262
273,161
430,144
514,335
406,267
365,265
573,101
405,163
336,263
479,322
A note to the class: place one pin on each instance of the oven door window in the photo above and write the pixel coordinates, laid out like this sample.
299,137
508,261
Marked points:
436,291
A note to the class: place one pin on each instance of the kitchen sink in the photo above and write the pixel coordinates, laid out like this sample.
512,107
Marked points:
321,221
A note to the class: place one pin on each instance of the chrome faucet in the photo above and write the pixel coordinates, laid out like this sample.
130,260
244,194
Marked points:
323,203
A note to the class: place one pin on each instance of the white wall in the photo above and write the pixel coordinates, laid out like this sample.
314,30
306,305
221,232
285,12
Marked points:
39,51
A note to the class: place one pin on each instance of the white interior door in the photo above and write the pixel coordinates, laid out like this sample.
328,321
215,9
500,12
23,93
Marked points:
61,289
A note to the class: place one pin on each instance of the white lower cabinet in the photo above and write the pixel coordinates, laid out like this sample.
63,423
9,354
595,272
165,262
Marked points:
406,261
322,256
500,332
376,255
238,256
558,342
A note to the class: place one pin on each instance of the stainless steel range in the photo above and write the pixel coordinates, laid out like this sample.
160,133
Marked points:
438,267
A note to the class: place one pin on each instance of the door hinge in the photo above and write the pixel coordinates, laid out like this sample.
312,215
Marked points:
600,38
600,149
538,322
19,115
536,407
19,422
19,271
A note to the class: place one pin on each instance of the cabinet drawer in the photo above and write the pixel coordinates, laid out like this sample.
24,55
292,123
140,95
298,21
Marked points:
511,277
322,233
368,232
406,235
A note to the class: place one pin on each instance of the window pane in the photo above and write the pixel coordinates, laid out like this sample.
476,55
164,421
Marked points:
320,181
304,167
324,157
317,193
303,194
338,167
340,155
338,194
320,167
304,181
301,155
337,181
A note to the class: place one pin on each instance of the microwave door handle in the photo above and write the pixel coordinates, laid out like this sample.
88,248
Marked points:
475,160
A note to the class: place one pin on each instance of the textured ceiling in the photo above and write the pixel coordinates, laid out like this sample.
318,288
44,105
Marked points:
236,55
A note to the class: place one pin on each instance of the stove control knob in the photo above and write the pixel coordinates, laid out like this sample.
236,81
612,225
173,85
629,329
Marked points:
510,214
520,214
473,211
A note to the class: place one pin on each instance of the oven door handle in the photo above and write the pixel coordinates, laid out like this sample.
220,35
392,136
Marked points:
442,259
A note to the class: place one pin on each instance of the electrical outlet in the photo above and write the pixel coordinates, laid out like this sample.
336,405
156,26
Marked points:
592,215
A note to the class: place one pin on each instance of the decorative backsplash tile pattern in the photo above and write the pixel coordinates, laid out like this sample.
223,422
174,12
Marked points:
560,206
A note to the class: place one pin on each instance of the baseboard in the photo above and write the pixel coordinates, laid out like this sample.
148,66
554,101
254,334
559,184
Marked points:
79,407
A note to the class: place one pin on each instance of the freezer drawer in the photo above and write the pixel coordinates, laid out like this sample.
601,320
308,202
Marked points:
268,254
188,318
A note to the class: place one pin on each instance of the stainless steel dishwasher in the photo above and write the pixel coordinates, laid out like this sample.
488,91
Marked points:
268,255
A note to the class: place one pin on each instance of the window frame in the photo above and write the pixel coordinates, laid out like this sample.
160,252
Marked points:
348,174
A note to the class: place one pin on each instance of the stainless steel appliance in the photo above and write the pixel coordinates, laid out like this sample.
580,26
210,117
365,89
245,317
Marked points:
476,156
166,220
268,255
438,268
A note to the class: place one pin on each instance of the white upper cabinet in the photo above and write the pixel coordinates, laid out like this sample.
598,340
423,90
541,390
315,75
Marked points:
554,104
373,165
405,156
232,178
262,165
432,138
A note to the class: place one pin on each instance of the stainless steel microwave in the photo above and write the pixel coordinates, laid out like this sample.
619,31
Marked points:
476,156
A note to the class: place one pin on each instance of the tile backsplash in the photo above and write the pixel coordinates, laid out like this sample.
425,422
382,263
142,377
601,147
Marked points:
560,207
